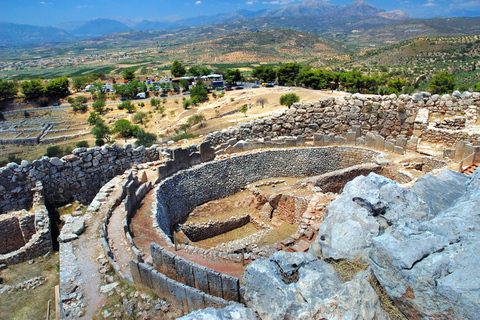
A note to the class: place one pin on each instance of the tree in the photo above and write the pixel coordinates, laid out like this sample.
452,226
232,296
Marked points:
233,76
57,88
289,99
397,83
127,105
92,119
244,109
264,73
187,103
185,127
124,128
178,69
442,82
33,89
262,101
129,74
198,93
78,103
154,102
99,105
288,73
101,131
78,83
145,138
127,90
196,118
185,84
8,90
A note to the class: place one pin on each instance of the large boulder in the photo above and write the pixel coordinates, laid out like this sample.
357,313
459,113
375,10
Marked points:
439,192
430,268
301,286
367,207
233,312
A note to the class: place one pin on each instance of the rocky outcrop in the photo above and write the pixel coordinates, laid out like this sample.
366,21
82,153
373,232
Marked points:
234,312
300,286
430,268
366,208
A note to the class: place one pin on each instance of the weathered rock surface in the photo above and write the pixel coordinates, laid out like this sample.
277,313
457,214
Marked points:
366,208
439,192
300,286
234,312
430,268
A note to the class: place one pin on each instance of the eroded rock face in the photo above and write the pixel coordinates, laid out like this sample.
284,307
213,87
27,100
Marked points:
430,268
233,312
367,207
300,286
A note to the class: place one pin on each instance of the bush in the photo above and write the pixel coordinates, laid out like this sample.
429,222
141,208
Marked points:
54,151
99,142
139,117
187,103
82,144
289,99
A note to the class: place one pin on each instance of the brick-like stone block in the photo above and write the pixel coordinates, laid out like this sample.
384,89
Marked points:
146,274
318,139
135,272
160,284
156,252
389,146
168,265
370,140
398,150
177,292
351,137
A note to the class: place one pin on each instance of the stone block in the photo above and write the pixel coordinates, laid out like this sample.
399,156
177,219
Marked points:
412,143
449,153
156,252
207,153
135,272
160,286
340,140
230,288
460,148
318,139
360,142
329,139
290,142
146,274
195,299
201,277
181,157
184,271
351,136
168,265
358,130
398,150
177,292
370,140
401,142
389,146
215,284
379,142
301,140
196,158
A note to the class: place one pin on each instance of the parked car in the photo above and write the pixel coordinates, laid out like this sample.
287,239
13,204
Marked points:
124,99
255,86
164,95
228,89
239,88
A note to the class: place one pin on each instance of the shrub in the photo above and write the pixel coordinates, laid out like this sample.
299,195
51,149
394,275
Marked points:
54,151
139,117
99,142
82,144
289,99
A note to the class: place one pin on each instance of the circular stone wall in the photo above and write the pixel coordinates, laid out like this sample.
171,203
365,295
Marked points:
179,194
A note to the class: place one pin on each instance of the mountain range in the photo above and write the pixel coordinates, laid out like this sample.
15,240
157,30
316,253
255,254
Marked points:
316,13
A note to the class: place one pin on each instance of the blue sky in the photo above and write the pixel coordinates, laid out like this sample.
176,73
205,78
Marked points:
54,12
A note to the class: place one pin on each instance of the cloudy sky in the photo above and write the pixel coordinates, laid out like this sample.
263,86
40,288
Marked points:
54,12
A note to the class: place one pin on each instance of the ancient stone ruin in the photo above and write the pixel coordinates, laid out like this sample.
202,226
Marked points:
348,201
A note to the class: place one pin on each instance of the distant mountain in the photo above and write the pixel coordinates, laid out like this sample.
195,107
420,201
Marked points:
216,19
20,34
98,27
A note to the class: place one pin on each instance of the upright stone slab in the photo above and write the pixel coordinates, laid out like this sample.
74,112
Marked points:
351,136
195,158
290,142
389,146
201,277
137,279
181,158
160,286
360,142
358,130
168,265
412,143
195,299
340,140
459,150
370,140
215,283
379,142
146,274
329,139
184,271
318,139
177,292
230,288
156,252
207,153
398,150
401,142
301,141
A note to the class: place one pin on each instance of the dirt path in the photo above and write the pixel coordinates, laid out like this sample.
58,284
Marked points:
144,233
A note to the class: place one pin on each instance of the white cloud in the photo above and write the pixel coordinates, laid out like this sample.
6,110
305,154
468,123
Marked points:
468,4
198,2
249,3
45,3
279,2
430,3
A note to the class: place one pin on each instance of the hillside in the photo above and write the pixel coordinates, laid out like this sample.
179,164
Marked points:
19,34
420,58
